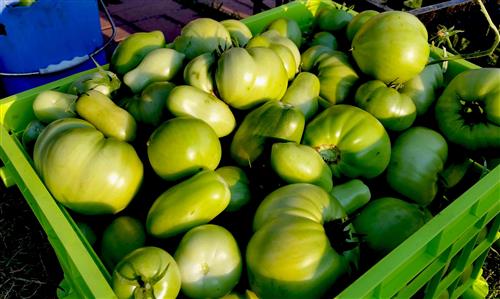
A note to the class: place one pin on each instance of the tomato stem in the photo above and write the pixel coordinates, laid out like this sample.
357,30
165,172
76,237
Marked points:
479,53
330,153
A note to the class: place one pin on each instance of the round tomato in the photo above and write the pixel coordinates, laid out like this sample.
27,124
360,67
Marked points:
352,141
391,46
183,146
147,272
209,261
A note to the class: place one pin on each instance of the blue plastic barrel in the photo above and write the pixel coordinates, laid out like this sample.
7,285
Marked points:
48,32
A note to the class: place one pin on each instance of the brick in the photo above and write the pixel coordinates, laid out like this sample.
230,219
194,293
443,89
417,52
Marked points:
156,8
122,31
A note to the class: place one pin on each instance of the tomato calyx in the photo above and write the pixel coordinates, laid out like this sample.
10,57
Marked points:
340,235
472,112
145,288
329,152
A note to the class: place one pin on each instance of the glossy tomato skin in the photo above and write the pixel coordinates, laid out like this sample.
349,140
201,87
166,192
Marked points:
106,116
336,76
147,272
303,93
423,89
185,100
298,163
314,54
198,72
187,204
183,146
352,195
148,106
239,32
391,46
209,261
248,77
357,21
238,184
386,222
468,110
84,170
418,156
202,35
396,111
289,229
272,120
50,105
352,141
122,236
288,28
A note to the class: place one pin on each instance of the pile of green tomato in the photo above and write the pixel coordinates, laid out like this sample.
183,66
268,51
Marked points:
273,164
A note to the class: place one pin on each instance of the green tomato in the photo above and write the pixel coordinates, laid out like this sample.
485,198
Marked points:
423,89
294,253
468,110
358,21
202,35
352,195
190,203
337,77
122,236
391,47
148,107
103,81
31,133
85,171
239,32
303,93
248,295
284,47
186,100
129,52
87,232
106,116
326,39
199,72
288,28
248,77
158,65
418,157
333,19
209,261
238,184
183,146
396,111
50,105
147,272
386,222
352,141
313,55
273,120
298,163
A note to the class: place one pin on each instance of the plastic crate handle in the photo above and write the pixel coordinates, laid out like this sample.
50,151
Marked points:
6,177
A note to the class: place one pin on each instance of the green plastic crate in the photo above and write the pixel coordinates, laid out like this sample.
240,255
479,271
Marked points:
433,259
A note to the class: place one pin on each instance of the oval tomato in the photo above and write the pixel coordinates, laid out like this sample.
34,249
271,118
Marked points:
418,157
209,261
185,100
303,93
183,146
192,202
